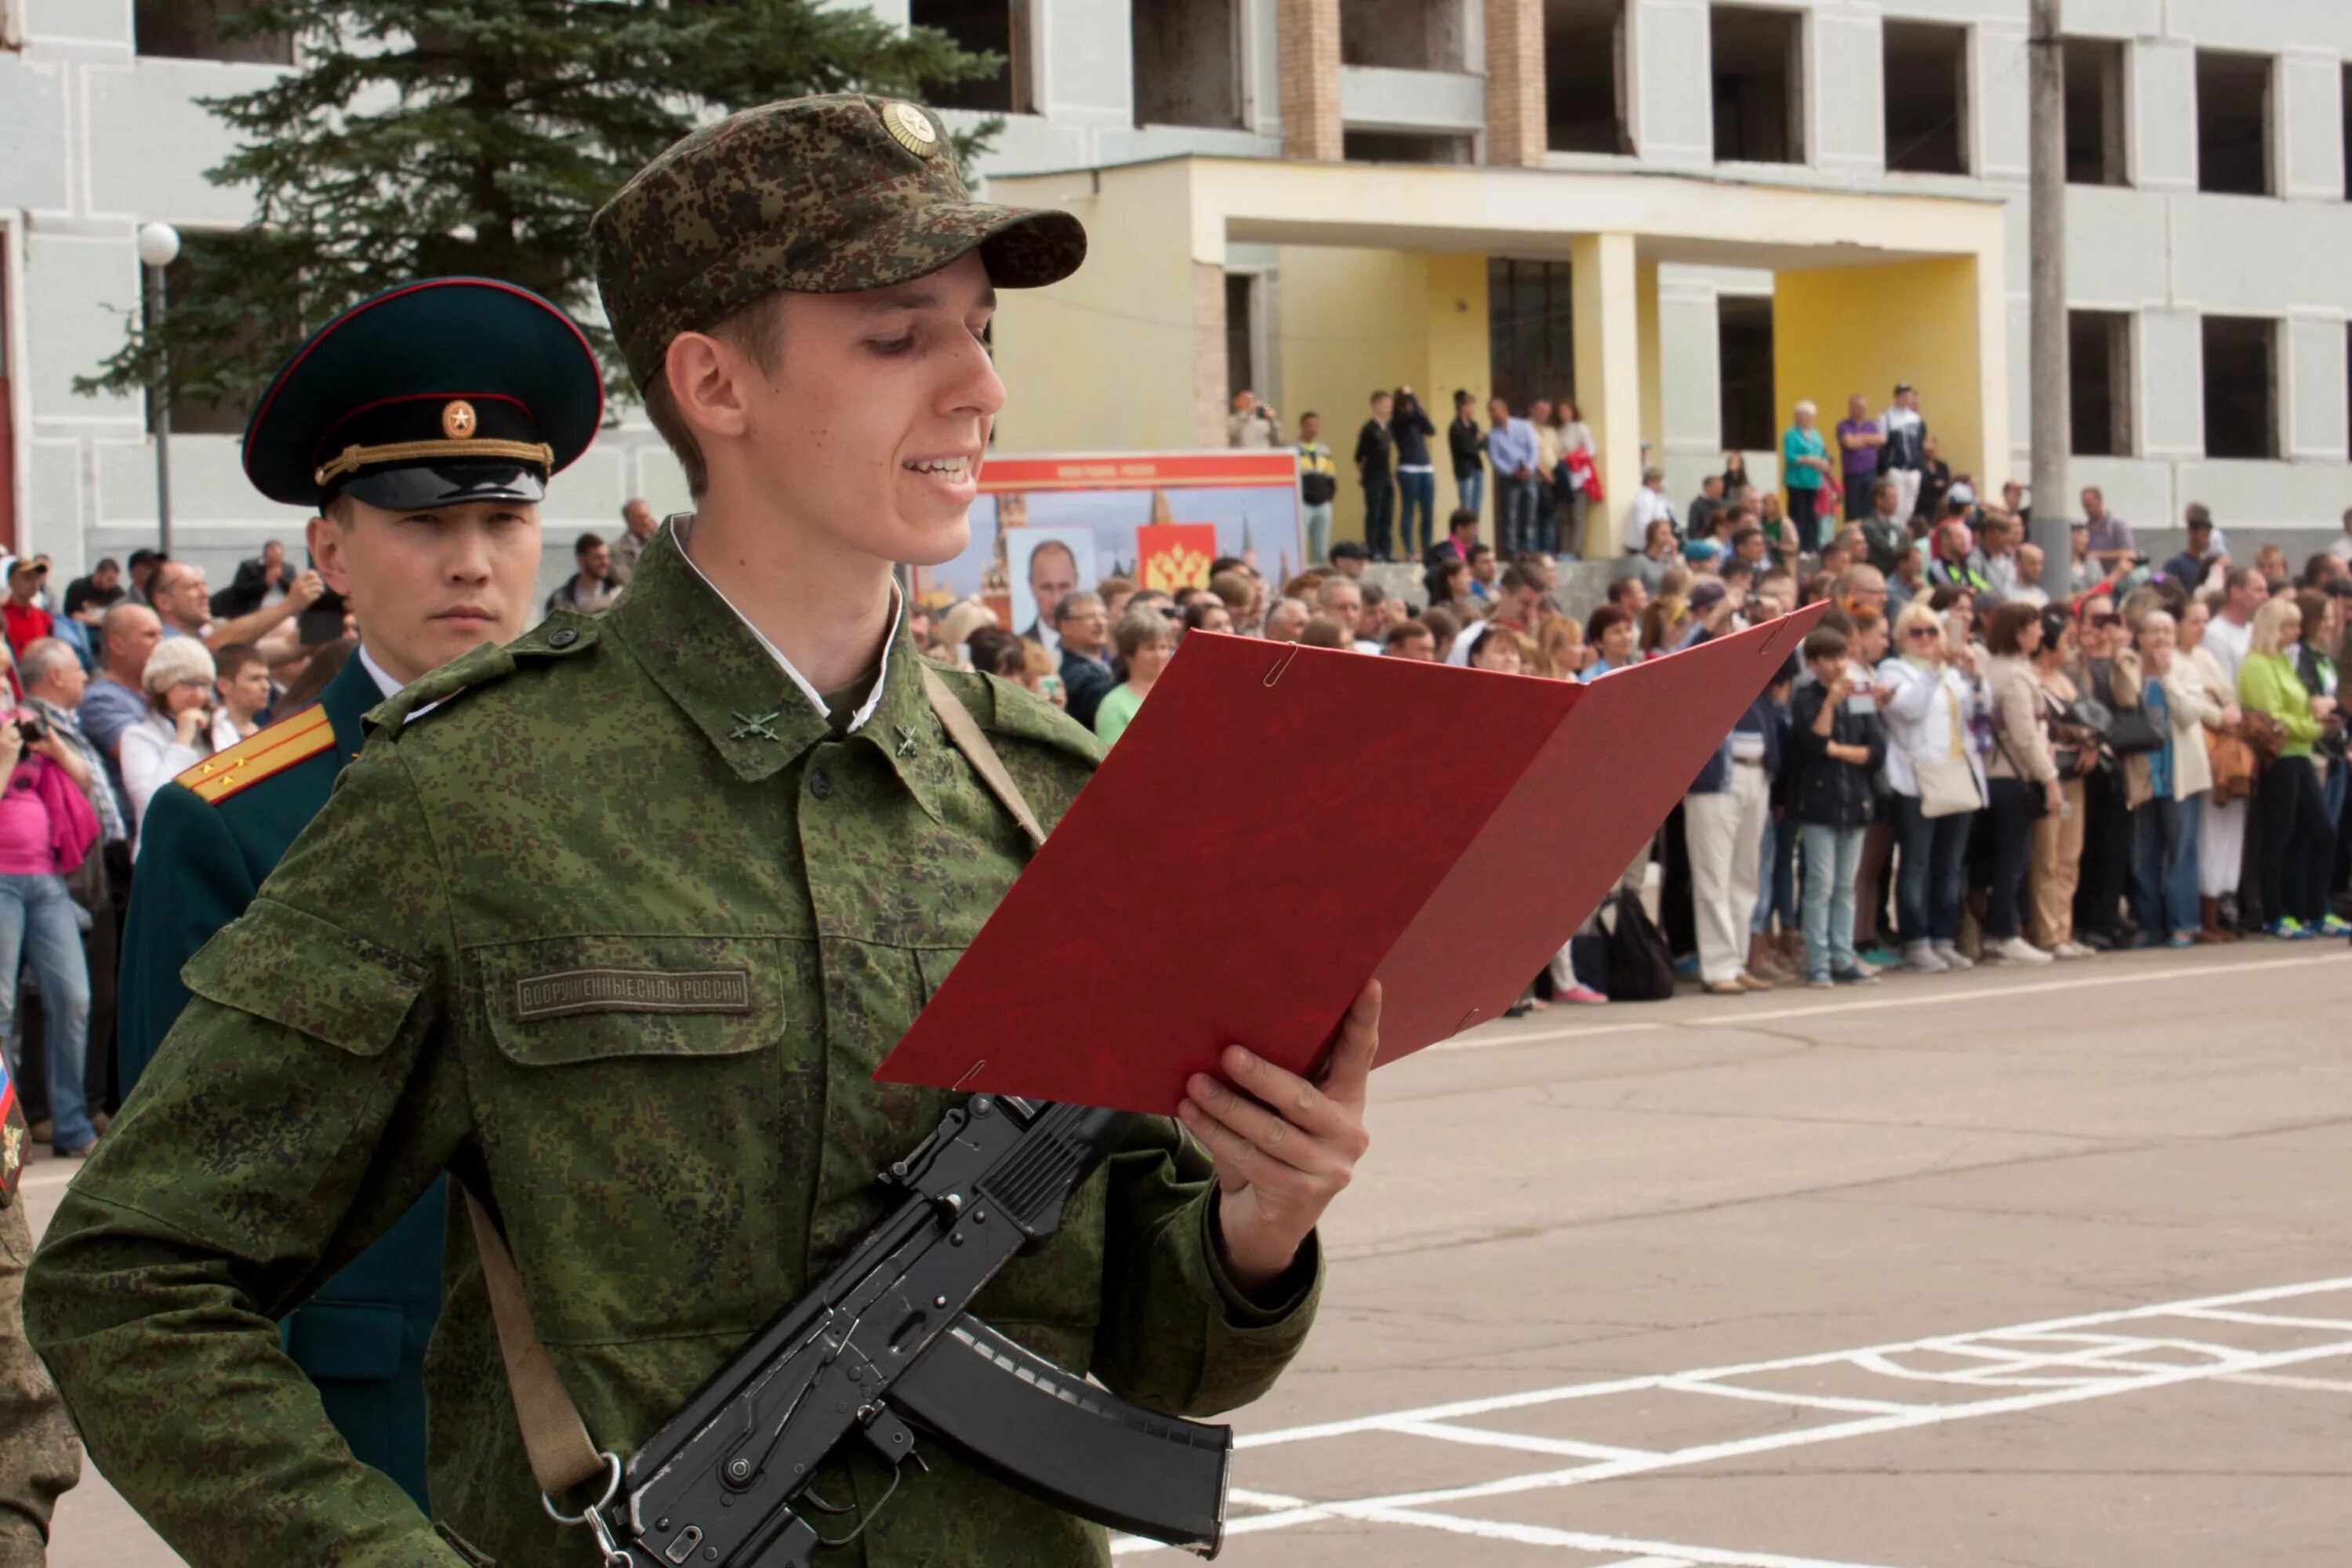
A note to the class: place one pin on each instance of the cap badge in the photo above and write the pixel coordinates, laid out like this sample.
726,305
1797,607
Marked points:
458,420
911,128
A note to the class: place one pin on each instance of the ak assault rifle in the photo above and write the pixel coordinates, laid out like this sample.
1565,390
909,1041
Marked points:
882,1350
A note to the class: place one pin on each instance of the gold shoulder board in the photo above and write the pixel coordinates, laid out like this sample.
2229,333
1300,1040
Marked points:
260,754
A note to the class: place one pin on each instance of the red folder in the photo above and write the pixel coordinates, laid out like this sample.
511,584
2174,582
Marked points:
1280,824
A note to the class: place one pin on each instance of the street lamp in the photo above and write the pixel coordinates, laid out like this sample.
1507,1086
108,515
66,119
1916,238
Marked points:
159,244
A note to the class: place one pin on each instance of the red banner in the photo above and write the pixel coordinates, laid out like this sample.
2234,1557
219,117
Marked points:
1172,555
1141,471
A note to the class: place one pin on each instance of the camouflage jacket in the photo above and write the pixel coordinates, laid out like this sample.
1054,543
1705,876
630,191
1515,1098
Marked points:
424,984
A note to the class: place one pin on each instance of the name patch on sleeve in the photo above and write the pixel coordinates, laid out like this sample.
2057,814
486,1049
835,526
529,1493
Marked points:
573,991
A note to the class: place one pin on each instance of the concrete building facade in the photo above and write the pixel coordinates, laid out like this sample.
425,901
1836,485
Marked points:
1686,215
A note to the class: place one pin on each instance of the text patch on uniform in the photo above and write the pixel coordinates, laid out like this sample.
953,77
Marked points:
570,991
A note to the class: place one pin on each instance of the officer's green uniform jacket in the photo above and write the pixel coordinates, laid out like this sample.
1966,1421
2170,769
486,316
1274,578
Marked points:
361,1339
667,1179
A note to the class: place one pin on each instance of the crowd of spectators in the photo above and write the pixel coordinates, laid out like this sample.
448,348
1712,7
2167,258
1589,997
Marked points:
1957,768
1539,468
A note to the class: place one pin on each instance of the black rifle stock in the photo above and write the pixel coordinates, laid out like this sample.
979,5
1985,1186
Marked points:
882,1348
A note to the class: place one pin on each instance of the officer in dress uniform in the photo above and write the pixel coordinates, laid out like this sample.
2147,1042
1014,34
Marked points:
614,924
423,425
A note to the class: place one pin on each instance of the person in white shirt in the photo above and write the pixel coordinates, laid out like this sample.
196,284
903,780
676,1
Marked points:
2231,633
1929,714
2341,546
1650,505
241,684
176,732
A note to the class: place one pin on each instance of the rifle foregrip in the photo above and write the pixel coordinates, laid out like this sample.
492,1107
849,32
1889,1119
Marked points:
1055,1435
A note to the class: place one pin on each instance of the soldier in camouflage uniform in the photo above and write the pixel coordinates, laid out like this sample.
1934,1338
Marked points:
38,1457
617,931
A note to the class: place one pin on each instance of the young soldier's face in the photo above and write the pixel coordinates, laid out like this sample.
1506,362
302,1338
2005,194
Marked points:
875,420
429,585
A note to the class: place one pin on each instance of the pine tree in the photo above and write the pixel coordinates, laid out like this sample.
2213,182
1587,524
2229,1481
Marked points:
424,137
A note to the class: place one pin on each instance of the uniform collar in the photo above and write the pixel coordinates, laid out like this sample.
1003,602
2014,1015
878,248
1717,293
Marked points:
359,685
682,526
756,711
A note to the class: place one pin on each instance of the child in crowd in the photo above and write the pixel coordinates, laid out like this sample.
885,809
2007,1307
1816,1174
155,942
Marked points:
1837,751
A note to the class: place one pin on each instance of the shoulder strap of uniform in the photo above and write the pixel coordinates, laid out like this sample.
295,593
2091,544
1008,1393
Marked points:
267,750
972,741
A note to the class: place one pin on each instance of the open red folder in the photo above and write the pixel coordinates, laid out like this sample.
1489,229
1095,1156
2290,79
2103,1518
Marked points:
1280,824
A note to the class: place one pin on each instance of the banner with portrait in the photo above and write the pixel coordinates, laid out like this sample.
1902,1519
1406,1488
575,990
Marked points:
1080,518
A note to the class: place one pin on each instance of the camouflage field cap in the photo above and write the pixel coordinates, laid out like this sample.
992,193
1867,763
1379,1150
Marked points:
817,195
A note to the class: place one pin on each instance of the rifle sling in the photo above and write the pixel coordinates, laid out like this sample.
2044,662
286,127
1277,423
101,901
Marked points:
553,1435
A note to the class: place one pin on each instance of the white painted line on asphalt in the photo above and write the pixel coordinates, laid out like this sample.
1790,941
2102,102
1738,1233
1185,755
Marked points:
1654,1554
1520,1400
2094,1381
1732,1016
1526,1443
1262,1499
2273,1380
1802,1401
1708,1453
2271,1320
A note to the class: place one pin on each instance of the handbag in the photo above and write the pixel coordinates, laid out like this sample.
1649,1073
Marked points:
2235,766
2037,801
1948,785
2263,734
2132,731
1640,967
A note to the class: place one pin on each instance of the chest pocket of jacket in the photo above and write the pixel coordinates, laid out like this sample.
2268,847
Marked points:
633,1115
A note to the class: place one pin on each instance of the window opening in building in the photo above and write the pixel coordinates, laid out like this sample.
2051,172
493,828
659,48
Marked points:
1188,62
2094,113
1403,147
2241,386
2234,124
1530,331
1926,98
1743,339
2099,380
199,30
1758,69
999,28
1584,75
1403,35
1241,322
193,415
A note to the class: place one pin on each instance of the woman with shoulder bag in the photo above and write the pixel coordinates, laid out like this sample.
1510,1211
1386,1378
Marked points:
1936,782
2163,862
2057,854
2023,781
2229,767
2106,671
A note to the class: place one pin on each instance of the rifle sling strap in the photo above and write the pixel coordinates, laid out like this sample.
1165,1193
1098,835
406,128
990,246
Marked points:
553,1435
973,743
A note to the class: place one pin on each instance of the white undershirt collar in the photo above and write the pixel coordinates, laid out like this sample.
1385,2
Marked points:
381,676
682,525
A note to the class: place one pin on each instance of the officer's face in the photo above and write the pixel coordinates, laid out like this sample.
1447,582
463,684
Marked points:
426,586
874,423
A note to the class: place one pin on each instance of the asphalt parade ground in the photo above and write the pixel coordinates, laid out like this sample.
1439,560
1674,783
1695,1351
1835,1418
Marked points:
2038,1268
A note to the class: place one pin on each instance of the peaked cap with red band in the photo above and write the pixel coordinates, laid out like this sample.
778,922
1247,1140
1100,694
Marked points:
439,392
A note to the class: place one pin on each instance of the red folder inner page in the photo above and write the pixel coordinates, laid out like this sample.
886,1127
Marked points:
1280,824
